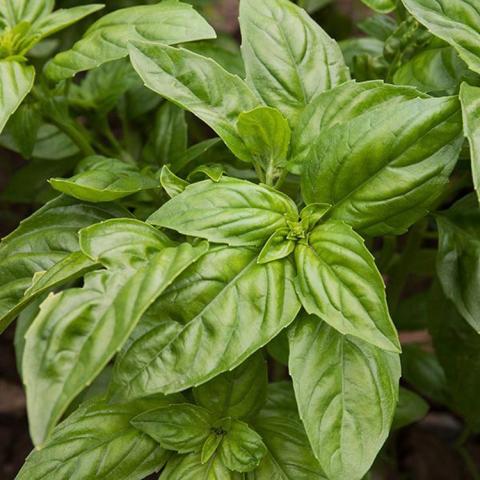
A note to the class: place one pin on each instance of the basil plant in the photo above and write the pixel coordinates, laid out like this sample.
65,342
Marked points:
207,290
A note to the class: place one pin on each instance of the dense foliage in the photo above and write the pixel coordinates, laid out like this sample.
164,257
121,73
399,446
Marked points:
214,307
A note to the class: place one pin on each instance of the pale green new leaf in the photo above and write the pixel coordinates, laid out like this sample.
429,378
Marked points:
455,21
15,11
218,312
87,326
171,183
239,393
182,427
199,85
232,211
382,170
39,243
346,391
16,81
341,105
381,6
103,179
98,441
339,282
470,100
167,22
289,59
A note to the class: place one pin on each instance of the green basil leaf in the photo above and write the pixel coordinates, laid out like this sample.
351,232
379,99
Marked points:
181,427
62,18
203,304
470,100
172,184
434,70
15,11
410,408
289,59
239,393
87,326
104,180
382,170
106,40
242,448
213,171
266,134
458,260
277,246
381,6
347,391
16,80
210,446
338,281
41,241
101,444
457,22
199,85
192,153
289,455
23,128
190,467
378,26
341,105
232,211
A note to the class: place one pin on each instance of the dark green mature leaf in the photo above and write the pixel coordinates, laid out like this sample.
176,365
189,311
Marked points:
181,427
346,391
437,69
232,211
190,467
458,260
87,326
381,6
239,393
339,282
289,455
458,349
219,312
98,441
199,85
103,179
382,170
242,448
167,22
266,134
40,242
289,59
455,21
341,105
410,408
470,100
16,81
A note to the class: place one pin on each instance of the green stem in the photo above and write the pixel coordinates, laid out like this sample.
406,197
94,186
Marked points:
75,135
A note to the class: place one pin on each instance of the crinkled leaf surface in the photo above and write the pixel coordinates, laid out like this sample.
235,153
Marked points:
338,281
218,312
289,59
346,391
199,85
382,170
167,22
232,211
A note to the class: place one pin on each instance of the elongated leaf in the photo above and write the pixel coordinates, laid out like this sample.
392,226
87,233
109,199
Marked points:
14,11
97,441
339,282
289,59
199,85
181,427
239,393
382,170
87,327
232,211
455,21
210,333
458,260
16,81
381,6
337,106
40,242
104,179
106,40
289,455
346,391
470,100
